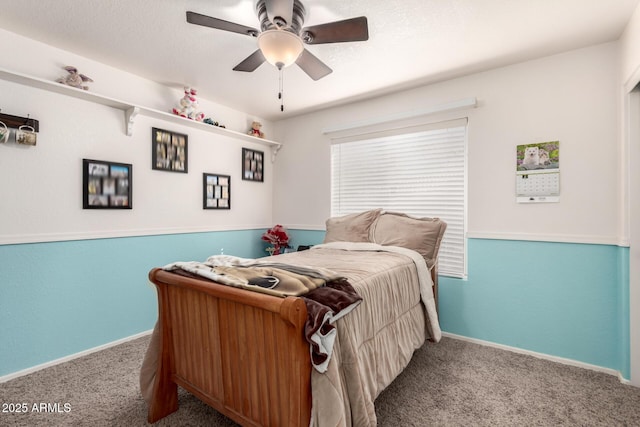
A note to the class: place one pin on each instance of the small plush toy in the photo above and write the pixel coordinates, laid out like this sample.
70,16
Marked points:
255,130
74,79
210,121
188,106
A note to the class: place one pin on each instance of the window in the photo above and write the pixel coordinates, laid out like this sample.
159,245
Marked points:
418,170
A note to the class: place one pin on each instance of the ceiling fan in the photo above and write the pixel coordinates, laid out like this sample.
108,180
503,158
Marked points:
281,37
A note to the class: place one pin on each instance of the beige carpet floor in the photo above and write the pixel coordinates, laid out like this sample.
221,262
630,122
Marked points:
452,383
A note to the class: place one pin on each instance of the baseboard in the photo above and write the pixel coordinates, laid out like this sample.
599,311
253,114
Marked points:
562,360
72,356
549,357
624,380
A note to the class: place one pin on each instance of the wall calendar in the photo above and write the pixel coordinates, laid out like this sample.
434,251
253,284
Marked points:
538,172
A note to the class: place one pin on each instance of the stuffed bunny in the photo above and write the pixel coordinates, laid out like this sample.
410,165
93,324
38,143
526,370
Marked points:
74,79
188,105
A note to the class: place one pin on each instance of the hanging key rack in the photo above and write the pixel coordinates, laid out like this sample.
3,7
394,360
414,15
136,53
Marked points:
16,121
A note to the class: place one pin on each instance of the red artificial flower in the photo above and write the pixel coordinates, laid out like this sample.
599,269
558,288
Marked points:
277,236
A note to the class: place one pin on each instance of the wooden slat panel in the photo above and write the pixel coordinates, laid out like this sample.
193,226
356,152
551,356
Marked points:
207,358
255,363
283,368
189,335
298,362
212,347
242,357
238,358
177,334
272,365
244,361
262,373
186,368
195,348
228,347
196,337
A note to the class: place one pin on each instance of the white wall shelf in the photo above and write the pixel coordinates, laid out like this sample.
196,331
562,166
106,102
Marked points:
131,111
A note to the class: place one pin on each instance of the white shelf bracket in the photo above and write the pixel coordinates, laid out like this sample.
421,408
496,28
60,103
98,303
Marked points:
274,152
129,119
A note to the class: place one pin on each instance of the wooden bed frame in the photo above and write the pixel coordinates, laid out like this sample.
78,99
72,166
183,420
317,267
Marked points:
241,352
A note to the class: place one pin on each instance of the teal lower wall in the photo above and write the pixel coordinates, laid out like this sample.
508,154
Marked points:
58,299
565,300
305,237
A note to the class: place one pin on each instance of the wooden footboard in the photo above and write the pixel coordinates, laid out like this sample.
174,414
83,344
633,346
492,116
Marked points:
241,352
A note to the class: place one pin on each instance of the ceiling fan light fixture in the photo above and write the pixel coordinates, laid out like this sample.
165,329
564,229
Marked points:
280,48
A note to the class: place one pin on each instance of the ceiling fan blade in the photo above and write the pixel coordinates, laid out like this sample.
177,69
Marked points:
220,24
311,65
349,30
252,62
279,8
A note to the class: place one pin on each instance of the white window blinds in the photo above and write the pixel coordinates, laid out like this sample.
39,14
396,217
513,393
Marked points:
419,171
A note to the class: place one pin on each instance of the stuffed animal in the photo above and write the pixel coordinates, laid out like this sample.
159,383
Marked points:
74,79
188,106
210,121
255,130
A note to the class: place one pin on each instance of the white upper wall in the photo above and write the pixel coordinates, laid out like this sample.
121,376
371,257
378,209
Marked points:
630,54
42,186
572,97
26,56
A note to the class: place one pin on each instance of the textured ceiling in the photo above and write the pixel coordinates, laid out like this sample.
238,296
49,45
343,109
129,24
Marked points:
411,42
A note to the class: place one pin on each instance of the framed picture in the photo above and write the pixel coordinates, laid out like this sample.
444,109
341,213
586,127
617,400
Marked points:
169,151
216,191
106,185
252,165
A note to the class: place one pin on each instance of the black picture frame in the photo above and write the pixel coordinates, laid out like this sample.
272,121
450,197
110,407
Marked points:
106,185
169,151
216,191
252,165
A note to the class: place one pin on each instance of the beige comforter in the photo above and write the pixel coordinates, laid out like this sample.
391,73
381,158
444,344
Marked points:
376,341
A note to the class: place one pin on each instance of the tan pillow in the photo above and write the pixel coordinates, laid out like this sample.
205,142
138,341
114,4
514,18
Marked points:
423,235
351,228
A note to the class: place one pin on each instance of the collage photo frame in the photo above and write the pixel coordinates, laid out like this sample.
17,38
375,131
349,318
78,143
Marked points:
170,151
252,165
216,191
106,185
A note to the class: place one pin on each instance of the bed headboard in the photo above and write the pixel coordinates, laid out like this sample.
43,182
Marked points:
387,228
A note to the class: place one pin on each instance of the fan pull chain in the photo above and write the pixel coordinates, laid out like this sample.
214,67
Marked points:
281,90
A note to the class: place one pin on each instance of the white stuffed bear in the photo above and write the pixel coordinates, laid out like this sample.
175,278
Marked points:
188,106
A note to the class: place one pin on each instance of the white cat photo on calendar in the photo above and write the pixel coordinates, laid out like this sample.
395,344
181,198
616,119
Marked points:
543,157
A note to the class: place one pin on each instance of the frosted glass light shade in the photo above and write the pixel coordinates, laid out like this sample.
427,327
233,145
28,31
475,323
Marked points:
279,47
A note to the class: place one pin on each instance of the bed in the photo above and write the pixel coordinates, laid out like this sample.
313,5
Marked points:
245,354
